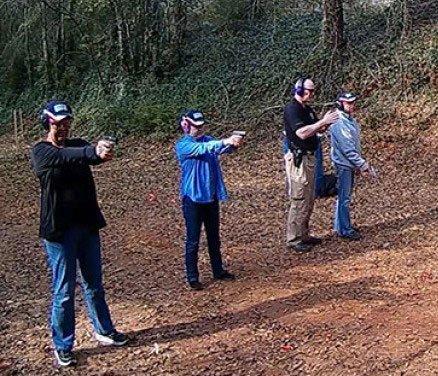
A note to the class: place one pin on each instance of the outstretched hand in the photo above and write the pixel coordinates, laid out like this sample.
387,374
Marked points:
234,140
104,150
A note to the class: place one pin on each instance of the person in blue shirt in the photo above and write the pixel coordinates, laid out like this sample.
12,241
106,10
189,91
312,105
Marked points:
202,187
347,159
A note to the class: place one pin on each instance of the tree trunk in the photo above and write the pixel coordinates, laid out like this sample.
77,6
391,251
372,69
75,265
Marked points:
177,30
407,17
60,53
28,59
119,31
333,25
45,46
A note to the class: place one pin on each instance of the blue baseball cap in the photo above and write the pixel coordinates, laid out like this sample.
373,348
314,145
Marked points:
347,97
57,110
195,117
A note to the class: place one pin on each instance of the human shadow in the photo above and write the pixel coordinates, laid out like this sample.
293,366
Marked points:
422,217
377,237
361,289
406,360
385,235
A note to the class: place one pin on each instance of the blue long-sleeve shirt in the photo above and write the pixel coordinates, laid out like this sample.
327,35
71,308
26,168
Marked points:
201,174
345,142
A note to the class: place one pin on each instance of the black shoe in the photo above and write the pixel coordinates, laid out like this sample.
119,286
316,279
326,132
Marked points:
196,285
225,276
352,236
311,240
300,247
65,358
115,338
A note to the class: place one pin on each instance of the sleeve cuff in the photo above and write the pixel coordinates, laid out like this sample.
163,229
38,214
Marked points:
364,166
90,152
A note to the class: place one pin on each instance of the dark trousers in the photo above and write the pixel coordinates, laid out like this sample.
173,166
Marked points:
196,214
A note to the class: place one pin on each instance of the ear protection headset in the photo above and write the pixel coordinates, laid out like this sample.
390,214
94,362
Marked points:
183,123
44,117
299,86
339,103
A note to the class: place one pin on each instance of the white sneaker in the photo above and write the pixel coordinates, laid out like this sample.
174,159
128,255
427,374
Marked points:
65,358
115,338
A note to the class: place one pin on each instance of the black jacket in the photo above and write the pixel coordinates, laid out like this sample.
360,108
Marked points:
297,116
68,193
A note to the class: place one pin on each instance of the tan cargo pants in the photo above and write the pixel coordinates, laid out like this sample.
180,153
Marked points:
301,189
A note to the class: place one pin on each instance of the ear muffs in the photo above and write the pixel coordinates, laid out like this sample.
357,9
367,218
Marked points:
44,119
185,125
182,123
299,86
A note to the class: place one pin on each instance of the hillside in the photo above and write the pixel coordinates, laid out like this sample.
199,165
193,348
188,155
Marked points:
344,309
236,69
360,308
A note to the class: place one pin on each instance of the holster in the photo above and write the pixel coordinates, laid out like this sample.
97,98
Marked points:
298,156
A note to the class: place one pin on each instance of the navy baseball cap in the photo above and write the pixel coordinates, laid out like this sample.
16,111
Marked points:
195,117
57,110
347,97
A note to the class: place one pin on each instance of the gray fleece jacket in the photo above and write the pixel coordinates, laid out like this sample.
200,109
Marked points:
345,142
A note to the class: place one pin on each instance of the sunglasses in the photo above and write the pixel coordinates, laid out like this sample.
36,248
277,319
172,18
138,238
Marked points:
63,125
197,126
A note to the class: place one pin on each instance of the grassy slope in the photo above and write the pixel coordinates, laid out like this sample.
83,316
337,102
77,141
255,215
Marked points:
236,75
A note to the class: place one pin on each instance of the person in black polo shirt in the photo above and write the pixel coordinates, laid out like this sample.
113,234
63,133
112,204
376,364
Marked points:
70,220
301,126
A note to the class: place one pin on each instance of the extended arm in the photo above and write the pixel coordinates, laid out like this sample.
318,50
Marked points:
189,148
44,156
319,126
192,149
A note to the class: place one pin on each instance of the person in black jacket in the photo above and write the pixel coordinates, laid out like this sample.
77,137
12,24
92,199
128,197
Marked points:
301,126
70,220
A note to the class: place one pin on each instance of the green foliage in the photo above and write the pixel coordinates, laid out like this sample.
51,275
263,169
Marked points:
226,14
16,76
231,73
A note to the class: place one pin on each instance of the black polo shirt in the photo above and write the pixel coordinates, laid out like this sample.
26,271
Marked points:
297,116
68,194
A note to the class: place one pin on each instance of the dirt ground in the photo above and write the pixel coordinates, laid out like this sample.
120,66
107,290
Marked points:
360,308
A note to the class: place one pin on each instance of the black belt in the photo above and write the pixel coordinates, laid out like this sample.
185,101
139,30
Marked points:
292,147
299,154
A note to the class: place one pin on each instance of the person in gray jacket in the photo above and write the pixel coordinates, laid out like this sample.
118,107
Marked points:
347,159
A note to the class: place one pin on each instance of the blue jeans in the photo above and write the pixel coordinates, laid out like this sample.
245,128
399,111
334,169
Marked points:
196,214
83,246
345,183
320,185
